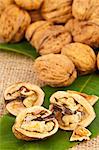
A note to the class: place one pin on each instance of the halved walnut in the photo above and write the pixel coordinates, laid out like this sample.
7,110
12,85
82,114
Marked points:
80,133
71,109
35,123
21,95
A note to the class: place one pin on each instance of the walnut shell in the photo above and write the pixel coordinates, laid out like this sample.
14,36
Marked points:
35,123
80,133
47,38
4,4
57,11
55,70
13,23
98,60
22,95
29,4
84,32
32,28
82,56
85,10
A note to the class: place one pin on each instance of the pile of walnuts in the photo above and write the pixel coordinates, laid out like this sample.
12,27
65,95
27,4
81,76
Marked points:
64,31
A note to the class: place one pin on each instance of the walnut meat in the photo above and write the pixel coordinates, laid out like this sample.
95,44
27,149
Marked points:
4,4
47,38
13,23
86,32
29,4
82,56
55,70
57,11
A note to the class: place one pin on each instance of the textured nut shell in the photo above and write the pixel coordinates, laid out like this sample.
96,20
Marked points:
82,101
55,70
85,10
92,99
32,28
57,11
85,133
82,56
4,4
13,23
28,4
15,107
84,32
98,61
26,135
35,15
54,39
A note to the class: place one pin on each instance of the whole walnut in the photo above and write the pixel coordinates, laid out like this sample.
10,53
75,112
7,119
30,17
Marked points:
13,23
29,4
4,4
82,56
57,11
86,32
86,10
47,38
98,60
55,70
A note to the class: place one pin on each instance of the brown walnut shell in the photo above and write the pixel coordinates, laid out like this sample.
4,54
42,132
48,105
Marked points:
57,11
47,38
82,56
86,32
55,70
13,23
4,4
28,4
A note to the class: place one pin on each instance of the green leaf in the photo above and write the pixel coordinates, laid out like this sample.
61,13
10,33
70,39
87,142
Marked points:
23,48
60,141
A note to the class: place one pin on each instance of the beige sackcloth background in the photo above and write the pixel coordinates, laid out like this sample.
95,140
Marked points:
15,68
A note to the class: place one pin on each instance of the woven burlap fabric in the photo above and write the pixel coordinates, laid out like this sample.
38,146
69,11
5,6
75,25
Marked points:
17,68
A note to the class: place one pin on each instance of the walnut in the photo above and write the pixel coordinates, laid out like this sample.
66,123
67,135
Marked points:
35,15
47,38
13,23
98,60
86,32
82,56
55,70
4,4
29,4
86,10
57,11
